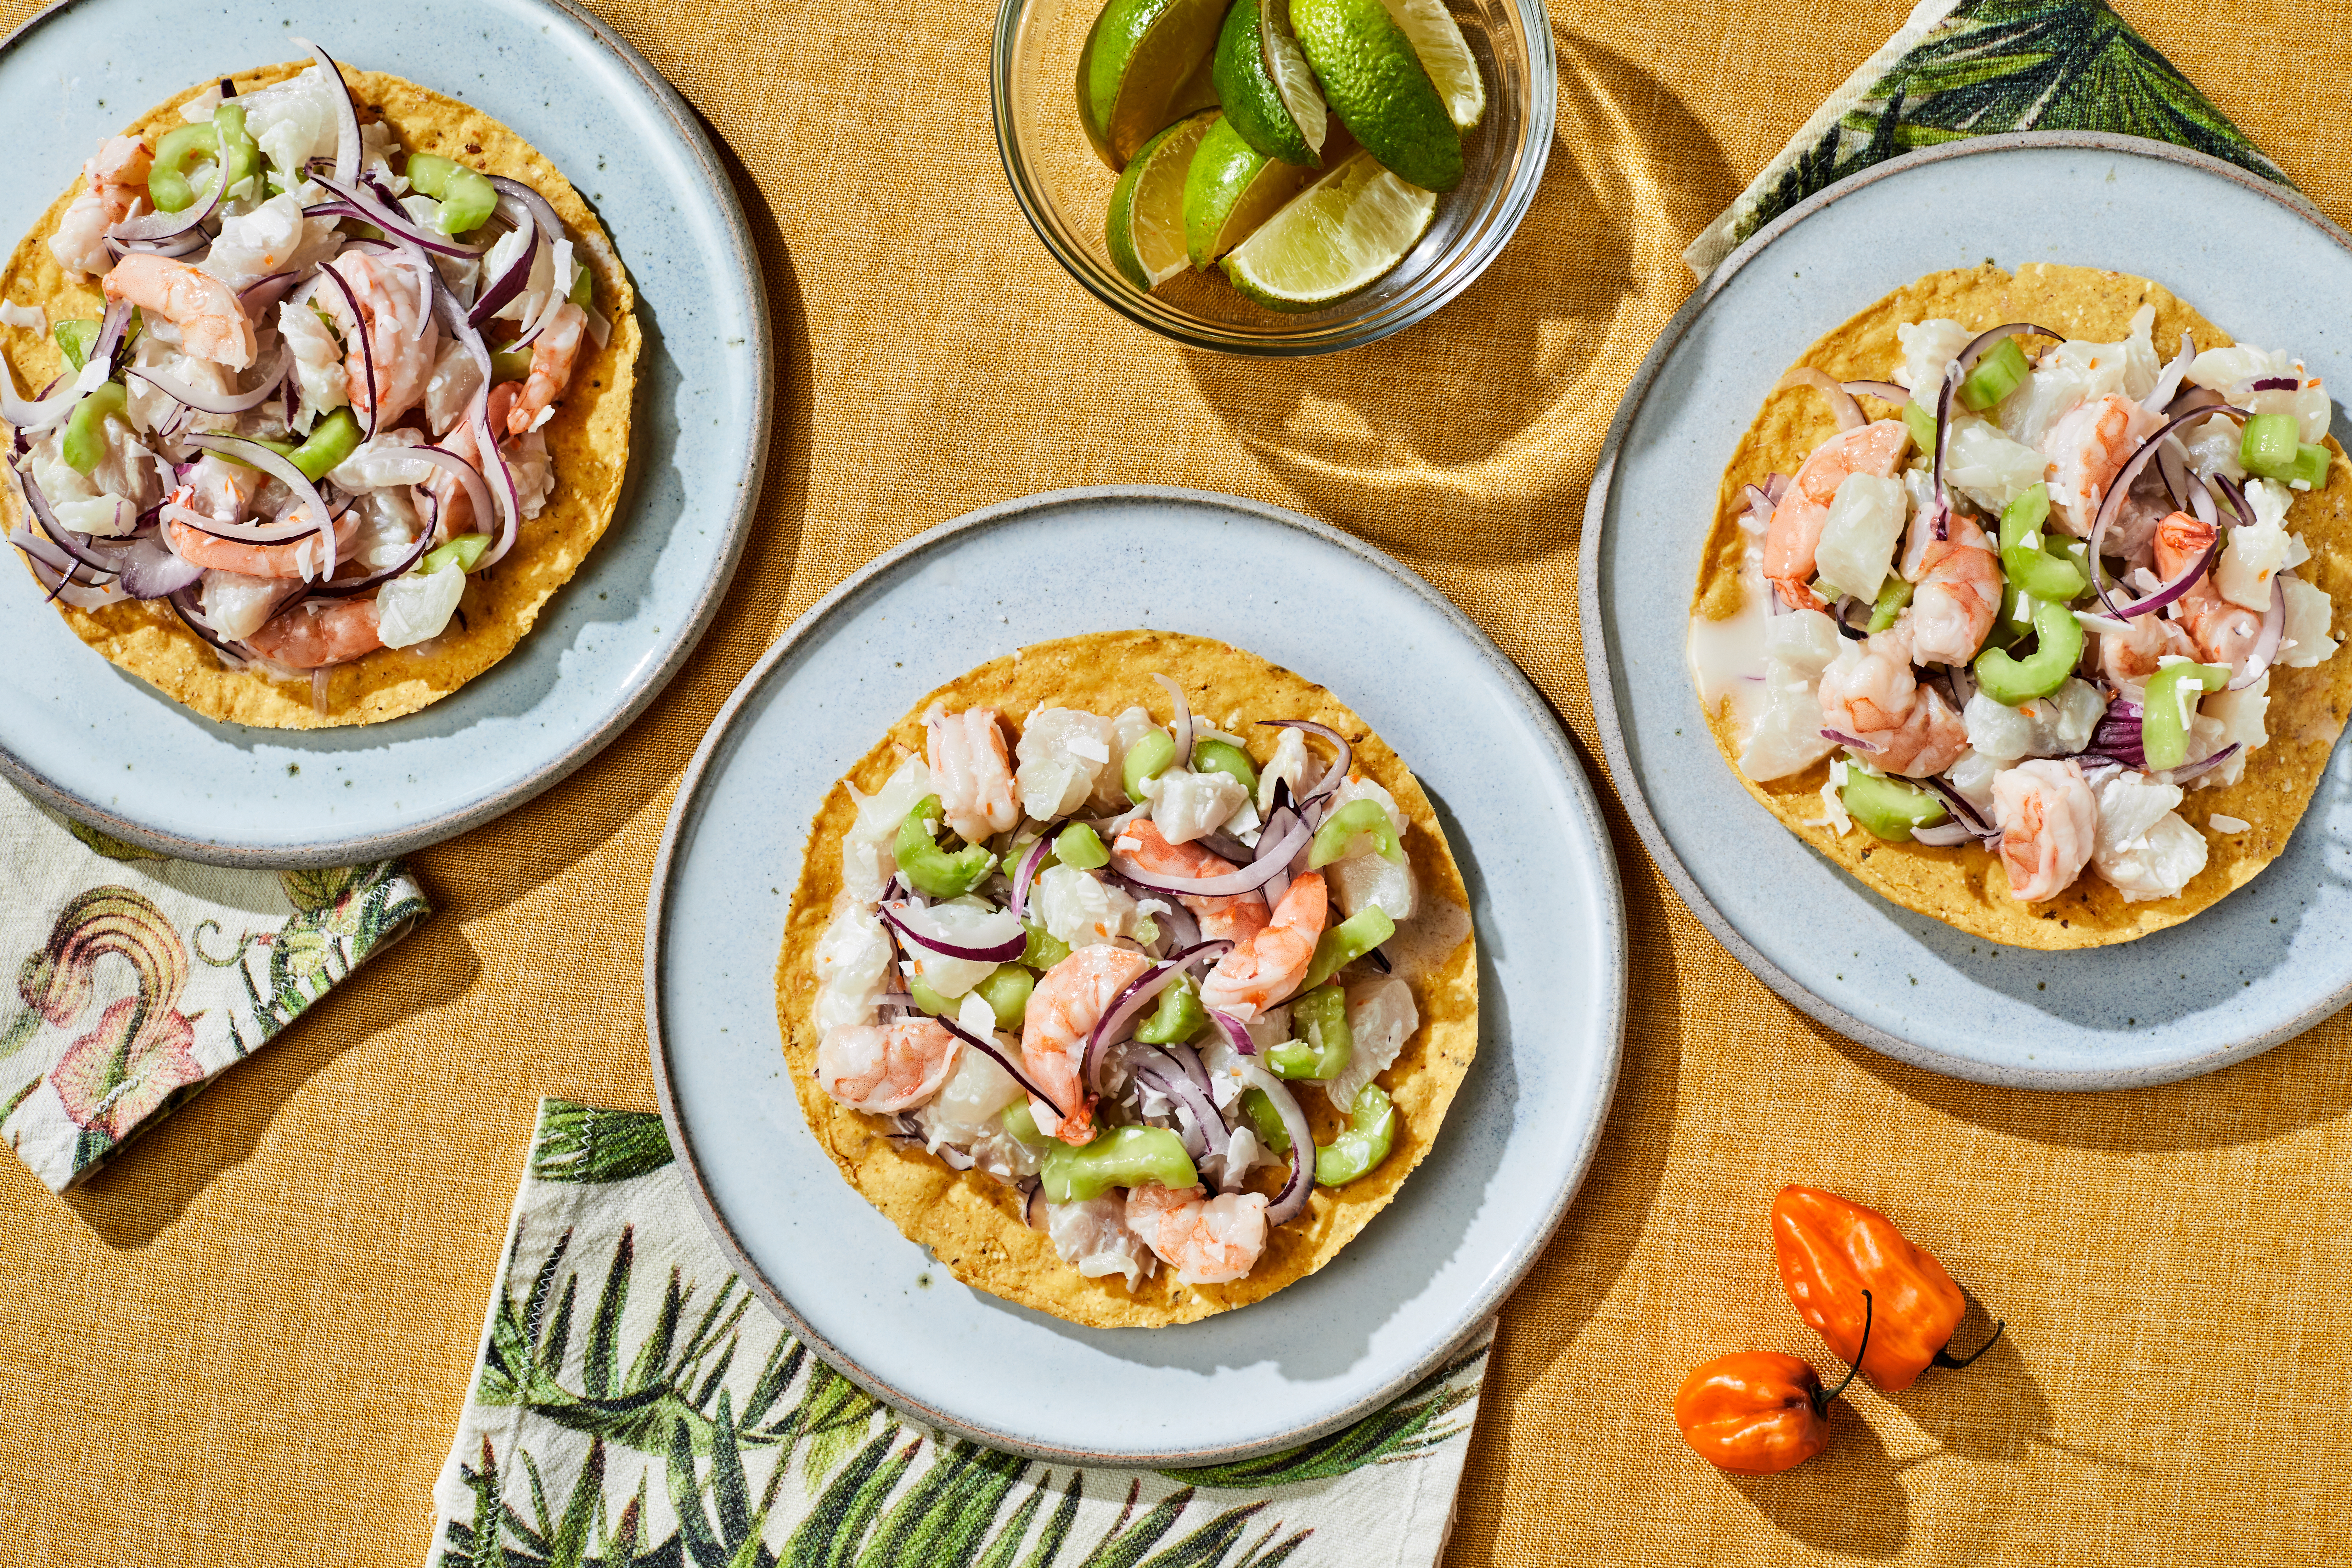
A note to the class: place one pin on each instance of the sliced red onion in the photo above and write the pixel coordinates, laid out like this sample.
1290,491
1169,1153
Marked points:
2117,737
1176,923
1952,374
1027,874
1236,1032
509,500
997,952
502,288
1848,412
262,293
1227,848
1157,1073
1968,356
1274,859
1271,839
2167,386
2278,383
477,488
1885,391
1964,814
989,1049
2200,503
57,572
2266,646
1945,835
173,249
2112,504
1844,739
367,350
347,120
2188,770
363,202
2233,493
1033,1210
1110,1029
183,604
145,229
1338,769
1179,727
219,402
2174,469
550,227
2190,399
49,412
255,454
348,587
1291,1201
113,328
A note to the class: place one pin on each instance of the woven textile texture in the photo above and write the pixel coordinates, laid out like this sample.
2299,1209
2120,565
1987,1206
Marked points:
248,1342
634,1403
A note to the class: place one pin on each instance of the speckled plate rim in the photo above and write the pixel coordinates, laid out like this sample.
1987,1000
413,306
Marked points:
1609,919
1599,663
356,848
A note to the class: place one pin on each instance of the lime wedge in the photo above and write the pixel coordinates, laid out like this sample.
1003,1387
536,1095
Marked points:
1144,64
1267,91
1340,235
1231,189
1444,54
1145,230
1375,82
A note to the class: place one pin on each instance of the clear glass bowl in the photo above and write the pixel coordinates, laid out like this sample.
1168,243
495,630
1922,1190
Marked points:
1064,190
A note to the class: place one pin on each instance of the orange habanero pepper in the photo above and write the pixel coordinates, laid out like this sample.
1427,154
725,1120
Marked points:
1835,1256
1758,1411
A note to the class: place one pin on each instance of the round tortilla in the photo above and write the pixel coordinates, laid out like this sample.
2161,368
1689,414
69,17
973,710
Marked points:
972,1223
588,439
1966,886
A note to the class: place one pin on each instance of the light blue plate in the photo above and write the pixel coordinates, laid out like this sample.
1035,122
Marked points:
2268,961
1429,1269
109,750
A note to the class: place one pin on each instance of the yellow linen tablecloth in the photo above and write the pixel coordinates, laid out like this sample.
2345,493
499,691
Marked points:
247,1340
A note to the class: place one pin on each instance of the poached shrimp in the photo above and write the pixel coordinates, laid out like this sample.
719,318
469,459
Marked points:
1064,1009
297,557
2087,448
972,772
213,325
318,633
887,1067
2223,632
117,189
396,311
1872,696
1795,531
2128,657
1264,971
1207,1240
1958,592
2049,824
1234,918
553,355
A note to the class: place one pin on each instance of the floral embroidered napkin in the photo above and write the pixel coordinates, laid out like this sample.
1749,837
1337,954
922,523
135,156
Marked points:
140,977
634,1403
1976,68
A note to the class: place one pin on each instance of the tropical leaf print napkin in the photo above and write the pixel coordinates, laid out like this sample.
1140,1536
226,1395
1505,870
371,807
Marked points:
1976,68
633,1404
141,978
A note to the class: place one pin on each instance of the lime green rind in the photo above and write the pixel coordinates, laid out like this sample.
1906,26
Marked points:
1149,201
1245,89
1231,189
1377,85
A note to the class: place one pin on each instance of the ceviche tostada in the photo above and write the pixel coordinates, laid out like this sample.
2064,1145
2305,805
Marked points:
2019,603
1129,974
330,379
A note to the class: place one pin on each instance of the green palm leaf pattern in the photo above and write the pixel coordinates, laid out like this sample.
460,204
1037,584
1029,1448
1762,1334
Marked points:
655,1417
1993,66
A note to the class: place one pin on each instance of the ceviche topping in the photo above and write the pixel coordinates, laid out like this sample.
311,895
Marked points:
314,403
1096,961
2036,601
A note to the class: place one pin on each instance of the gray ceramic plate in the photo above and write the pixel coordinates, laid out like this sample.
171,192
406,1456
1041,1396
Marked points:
1430,1267
109,750
2270,960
